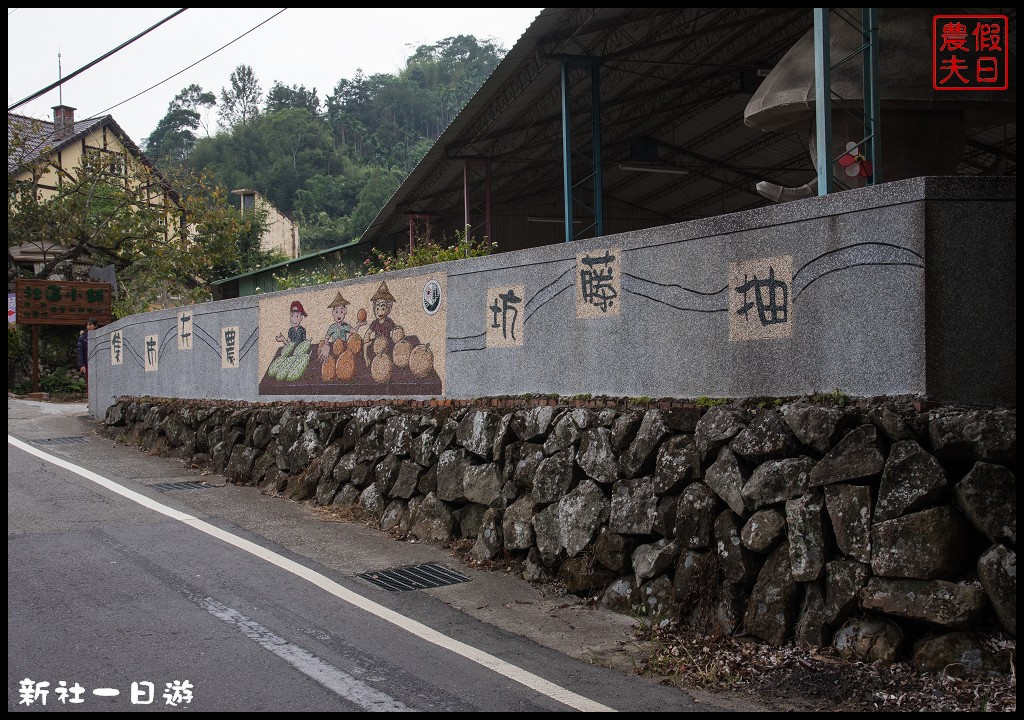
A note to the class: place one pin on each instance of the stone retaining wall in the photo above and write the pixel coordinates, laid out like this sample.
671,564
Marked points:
884,527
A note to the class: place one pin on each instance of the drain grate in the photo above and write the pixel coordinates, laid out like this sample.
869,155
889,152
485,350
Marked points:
60,441
417,577
189,485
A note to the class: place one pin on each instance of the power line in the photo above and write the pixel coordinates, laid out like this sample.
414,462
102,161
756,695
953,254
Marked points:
104,112
82,69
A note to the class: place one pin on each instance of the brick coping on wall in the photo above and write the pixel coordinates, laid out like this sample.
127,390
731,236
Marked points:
512,402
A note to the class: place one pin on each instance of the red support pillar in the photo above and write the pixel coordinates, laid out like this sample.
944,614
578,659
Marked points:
415,219
476,190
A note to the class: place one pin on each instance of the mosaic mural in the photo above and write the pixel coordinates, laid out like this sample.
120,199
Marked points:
116,348
599,288
184,332
371,338
760,307
151,353
504,323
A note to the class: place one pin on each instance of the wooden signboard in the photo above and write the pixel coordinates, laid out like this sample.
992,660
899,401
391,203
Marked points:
61,302
58,302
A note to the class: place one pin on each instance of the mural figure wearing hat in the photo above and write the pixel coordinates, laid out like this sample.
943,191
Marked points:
339,330
296,333
382,326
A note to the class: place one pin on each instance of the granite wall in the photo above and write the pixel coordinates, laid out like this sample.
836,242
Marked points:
904,288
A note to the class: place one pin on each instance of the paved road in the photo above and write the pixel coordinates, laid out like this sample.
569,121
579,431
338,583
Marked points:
117,575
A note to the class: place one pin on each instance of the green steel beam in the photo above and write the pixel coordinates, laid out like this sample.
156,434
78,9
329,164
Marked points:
823,100
872,102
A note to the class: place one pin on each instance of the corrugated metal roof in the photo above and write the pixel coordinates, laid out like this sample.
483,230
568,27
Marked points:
676,79
680,76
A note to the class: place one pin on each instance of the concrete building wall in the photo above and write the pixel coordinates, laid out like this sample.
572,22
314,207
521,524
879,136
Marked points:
281,233
905,288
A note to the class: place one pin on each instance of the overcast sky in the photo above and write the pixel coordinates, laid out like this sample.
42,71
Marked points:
299,46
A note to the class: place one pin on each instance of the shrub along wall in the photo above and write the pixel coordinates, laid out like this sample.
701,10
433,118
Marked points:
884,527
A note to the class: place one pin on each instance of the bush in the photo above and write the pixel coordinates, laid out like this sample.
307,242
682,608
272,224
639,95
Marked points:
428,253
58,344
333,273
423,253
59,383
58,347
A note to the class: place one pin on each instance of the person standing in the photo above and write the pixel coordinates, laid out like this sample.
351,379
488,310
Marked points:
83,348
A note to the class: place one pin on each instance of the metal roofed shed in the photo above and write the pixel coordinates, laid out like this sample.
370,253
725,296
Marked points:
656,100
671,84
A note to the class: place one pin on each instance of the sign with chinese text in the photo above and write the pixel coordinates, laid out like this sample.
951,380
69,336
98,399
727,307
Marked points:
760,307
505,315
185,330
229,347
970,52
151,354
61,302
598,283
116,348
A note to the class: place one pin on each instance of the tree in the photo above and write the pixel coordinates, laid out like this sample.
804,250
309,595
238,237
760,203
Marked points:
161,235
380,186
350,115
451,70
295,146
321,232
198,101
334,196
281,97
240,104
245,231
174,137
334,166
323,205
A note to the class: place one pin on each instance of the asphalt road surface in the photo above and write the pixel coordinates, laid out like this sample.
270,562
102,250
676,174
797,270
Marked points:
131,587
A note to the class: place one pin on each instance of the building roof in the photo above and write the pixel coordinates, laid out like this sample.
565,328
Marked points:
674,86
42,139
679,79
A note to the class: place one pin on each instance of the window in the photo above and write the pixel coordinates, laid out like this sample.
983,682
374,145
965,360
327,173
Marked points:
113,163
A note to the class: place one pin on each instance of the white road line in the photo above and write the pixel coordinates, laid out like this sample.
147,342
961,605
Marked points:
332,678
528,679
